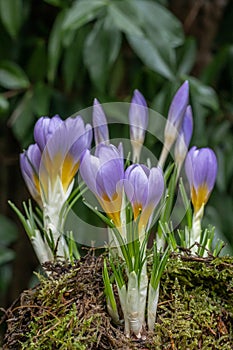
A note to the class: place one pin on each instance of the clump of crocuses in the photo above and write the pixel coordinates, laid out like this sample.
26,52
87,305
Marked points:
134,198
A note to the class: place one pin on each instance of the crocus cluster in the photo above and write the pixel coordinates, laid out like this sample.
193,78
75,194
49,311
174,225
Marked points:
128,193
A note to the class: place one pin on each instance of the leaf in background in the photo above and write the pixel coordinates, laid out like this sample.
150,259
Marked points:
8,231
4,105
123,15
37,64
159,23
101,50
55,46
211,73
58,3
72,66
150,56
187,56
41,99
12,76
11,14
23,119
82,12
203,94
6,255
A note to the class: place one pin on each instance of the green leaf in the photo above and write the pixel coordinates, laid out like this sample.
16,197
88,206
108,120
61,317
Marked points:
11,14
8,231
12,76
150,55
82,12
55,45
58,3
187,56
6,255
72,66
203,94
124,17
159,23
22,119
100,51
41,99
213,70
4,104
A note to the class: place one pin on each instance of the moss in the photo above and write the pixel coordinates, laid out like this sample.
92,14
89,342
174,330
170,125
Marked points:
67,310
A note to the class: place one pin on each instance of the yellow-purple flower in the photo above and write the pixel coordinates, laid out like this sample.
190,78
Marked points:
144,188
201,171
51,164
138,119
104,174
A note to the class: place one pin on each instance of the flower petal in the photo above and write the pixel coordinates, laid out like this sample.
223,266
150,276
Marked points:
100,124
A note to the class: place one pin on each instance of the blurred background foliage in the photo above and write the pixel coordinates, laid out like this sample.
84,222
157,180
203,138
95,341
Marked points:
57,55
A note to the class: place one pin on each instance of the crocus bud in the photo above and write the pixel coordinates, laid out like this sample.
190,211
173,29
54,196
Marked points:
99,120
138,119
174,120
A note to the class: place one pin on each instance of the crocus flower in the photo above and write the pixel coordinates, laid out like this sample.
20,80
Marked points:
55,156
99,120
184,137
144,188
138,119
63,151
49,167
103,174
201,171
174,120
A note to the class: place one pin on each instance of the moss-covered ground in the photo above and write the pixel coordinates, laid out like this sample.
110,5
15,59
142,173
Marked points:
67,310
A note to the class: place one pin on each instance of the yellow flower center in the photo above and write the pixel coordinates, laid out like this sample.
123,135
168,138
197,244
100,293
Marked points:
199,197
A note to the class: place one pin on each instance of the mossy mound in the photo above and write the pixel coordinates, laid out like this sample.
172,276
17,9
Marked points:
68,310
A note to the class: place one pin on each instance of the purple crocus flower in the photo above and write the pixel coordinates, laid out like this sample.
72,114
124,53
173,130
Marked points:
138,119
104,174
54,160
201,171
184,137
144,188
101,133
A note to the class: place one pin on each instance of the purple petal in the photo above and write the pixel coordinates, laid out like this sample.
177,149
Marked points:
30,164
100,123
109,177
184,136
44,128
71,138
179,105
88,169
155,186
201,168
138,117
137,179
